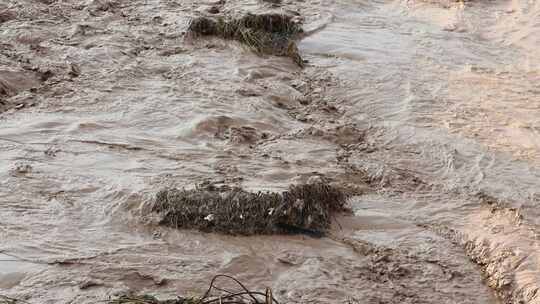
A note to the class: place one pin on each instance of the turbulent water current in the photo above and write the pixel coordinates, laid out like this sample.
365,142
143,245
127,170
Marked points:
428,112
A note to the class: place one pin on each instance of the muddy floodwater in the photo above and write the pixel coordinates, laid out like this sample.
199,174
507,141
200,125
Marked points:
428,113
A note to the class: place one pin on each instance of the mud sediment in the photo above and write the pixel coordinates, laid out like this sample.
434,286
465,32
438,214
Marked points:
506,267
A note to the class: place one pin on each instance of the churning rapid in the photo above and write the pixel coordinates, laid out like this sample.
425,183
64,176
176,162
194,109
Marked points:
428,112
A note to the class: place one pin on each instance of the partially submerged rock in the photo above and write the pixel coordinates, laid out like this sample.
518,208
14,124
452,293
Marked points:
270,33
304,208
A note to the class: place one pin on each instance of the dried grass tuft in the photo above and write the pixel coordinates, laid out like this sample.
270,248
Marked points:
301,209
271,33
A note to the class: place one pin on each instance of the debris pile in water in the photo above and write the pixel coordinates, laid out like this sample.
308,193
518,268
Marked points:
270,33
303,208
8,300
148,299
214,294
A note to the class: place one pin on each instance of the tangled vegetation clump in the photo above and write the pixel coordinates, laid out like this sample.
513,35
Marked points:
148,299
270,33
8,300
301,209
214,294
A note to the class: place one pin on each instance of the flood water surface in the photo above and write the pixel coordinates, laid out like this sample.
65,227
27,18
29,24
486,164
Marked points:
426,112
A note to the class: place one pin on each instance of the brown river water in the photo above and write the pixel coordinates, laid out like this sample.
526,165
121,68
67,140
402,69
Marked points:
429,112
